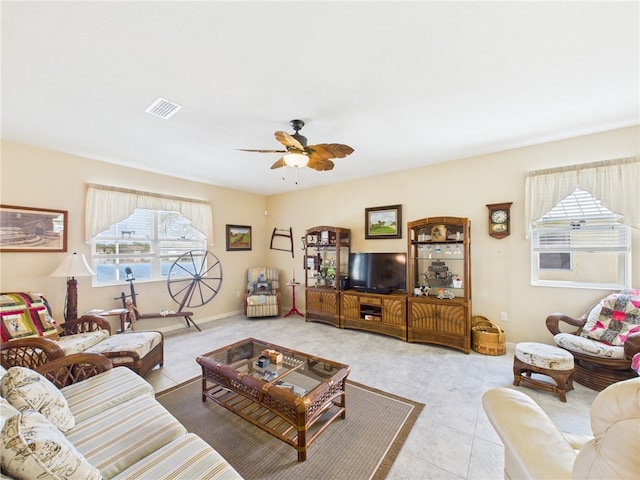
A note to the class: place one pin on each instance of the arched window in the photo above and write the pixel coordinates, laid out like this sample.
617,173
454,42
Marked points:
141,231
579,221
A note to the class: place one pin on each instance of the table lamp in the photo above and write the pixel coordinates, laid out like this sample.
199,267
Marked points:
72,266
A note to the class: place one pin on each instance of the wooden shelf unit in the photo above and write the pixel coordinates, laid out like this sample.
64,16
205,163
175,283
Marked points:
326,261
435,264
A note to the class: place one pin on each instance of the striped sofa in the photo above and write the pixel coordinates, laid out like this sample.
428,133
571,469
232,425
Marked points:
108,426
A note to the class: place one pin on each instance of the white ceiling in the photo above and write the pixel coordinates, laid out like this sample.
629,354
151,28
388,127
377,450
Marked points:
405,84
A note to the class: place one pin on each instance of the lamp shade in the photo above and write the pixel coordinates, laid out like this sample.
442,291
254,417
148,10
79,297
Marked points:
296,160
73,265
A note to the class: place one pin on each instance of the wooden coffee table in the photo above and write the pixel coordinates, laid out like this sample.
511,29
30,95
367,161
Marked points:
294,397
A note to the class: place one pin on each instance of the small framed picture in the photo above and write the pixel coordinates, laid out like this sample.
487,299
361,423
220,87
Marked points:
383,222
313,262
238,237
26,229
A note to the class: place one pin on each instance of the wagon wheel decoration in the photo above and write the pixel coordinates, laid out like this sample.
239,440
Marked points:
194,278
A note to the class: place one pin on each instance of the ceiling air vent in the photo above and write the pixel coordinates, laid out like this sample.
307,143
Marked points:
163,108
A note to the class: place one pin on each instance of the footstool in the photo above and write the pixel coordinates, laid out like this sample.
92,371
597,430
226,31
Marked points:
532,357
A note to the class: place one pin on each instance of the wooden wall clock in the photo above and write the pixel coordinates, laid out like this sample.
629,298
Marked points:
499,219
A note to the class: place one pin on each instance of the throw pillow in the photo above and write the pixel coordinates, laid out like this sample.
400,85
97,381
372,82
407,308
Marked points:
32,447
16,319
6,411
262,288
614,318
25,314
26,388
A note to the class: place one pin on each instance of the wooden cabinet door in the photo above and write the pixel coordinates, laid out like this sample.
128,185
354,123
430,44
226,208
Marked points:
422,316
394,311
314,301
451,320
323,306
349,307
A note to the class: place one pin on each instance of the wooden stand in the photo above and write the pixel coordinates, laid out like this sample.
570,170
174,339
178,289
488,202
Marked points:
293,310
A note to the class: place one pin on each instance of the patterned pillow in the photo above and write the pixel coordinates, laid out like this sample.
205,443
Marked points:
614,318
262,288
32,448
6,411
25,314
27,389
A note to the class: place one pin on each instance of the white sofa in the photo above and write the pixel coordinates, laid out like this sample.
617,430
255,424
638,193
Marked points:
108,426
535,449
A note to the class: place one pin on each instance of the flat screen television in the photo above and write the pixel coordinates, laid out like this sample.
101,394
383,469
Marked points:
378,272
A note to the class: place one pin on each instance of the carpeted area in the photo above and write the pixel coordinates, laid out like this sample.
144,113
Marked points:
362,446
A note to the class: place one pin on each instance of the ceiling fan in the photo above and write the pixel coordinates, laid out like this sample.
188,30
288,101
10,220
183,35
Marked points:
299,154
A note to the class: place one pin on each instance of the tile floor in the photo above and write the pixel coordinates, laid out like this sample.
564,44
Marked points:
452,439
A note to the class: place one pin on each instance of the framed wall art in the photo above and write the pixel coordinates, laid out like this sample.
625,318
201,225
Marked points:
26,229
312,262
238,237
383,222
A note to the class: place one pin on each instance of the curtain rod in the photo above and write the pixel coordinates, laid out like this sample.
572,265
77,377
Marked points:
148,194
584,166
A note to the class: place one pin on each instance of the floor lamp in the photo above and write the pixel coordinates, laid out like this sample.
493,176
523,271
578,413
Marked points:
72,266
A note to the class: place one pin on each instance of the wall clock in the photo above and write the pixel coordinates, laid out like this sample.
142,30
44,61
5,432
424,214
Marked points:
499,219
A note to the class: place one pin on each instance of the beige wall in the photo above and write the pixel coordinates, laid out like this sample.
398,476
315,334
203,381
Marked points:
500,268
33,177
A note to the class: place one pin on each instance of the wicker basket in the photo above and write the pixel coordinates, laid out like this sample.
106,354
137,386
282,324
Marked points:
486,337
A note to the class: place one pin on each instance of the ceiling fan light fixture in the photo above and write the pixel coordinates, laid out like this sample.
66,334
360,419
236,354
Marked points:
296,160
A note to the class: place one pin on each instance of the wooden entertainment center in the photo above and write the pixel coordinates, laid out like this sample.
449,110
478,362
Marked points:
385,314
437,307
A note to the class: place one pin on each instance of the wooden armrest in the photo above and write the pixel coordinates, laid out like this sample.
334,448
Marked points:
632,345
29,352
553,322
86,323
74,368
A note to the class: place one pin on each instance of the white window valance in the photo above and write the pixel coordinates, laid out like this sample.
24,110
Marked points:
614,182
107,205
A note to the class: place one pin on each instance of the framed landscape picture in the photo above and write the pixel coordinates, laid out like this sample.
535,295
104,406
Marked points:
26,229
238,237
383,222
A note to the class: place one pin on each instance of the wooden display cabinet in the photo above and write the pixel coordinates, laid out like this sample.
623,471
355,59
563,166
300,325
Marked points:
439,277
385,314
326,262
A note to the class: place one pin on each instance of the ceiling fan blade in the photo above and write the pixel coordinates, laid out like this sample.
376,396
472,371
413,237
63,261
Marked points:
329,150
261,151
288,141
319,163
279,164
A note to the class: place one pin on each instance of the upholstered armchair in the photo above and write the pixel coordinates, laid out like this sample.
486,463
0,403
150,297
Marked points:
31,338
535,448
262,296
603,340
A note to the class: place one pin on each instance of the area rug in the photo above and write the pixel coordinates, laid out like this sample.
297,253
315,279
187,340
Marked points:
362,446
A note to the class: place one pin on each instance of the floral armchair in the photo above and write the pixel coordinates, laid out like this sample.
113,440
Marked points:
262,296
605,341
31,338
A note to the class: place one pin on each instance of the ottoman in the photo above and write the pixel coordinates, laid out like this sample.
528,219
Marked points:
531,357
140,351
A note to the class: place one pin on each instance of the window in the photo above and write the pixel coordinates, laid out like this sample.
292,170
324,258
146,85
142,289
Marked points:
148,242
580,243
579,220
